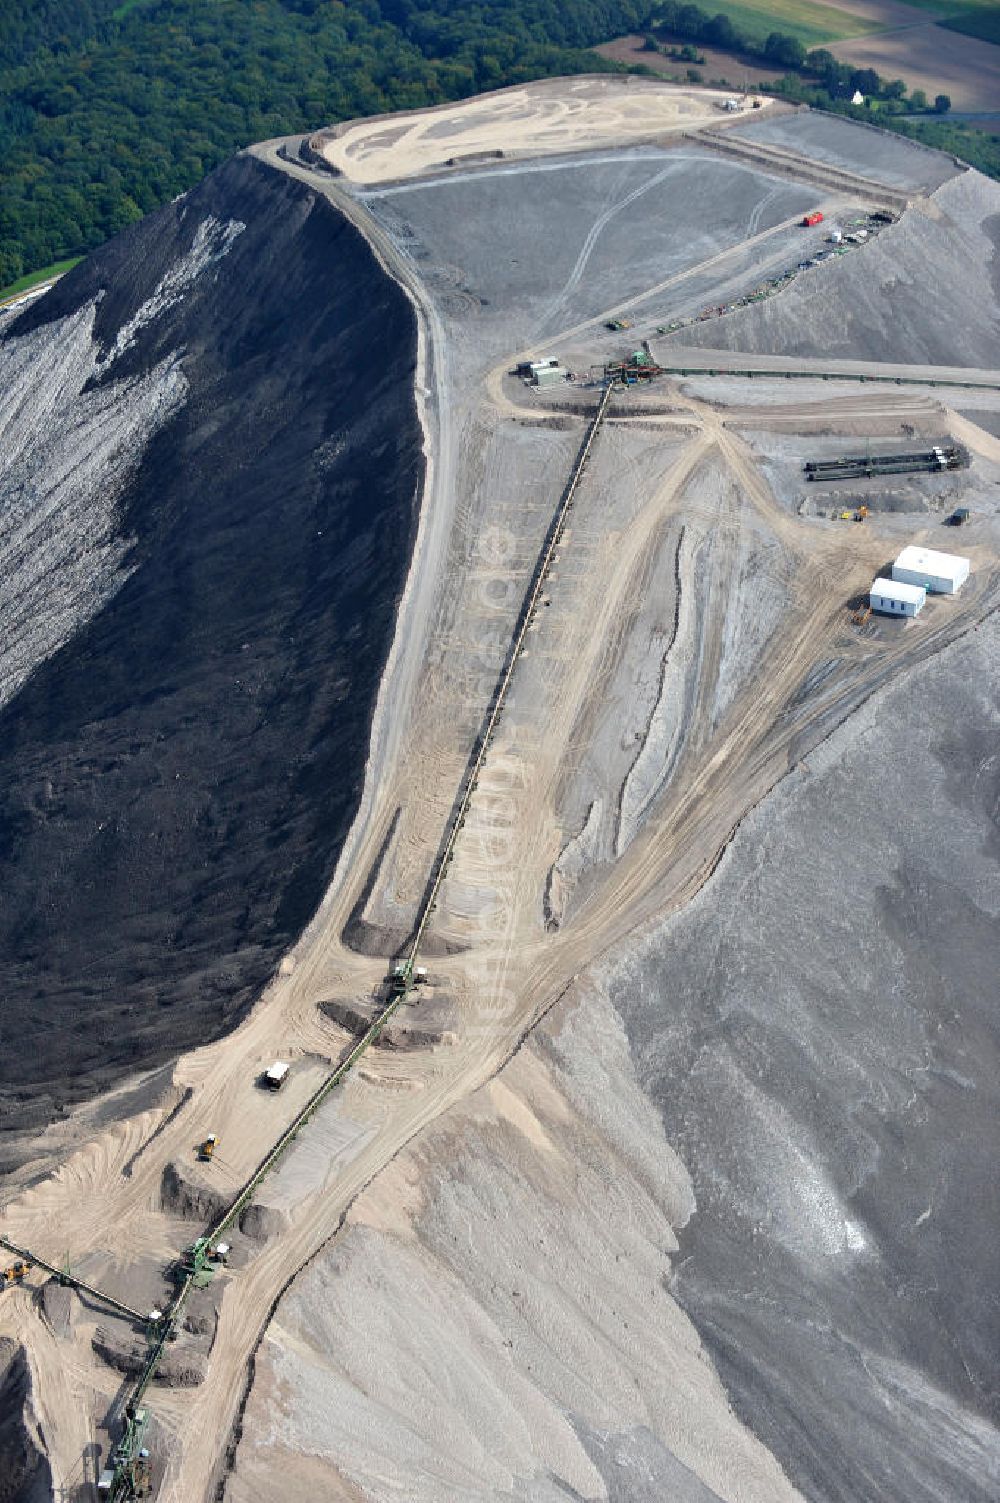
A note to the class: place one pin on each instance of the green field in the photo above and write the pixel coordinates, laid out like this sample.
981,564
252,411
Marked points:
953,9
23,283
983,23
813,24
973,18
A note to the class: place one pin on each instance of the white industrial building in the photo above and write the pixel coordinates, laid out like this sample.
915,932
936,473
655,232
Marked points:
550,375
892,598
940,573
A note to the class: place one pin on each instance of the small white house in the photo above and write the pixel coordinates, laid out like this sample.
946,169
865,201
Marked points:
940,573
891,598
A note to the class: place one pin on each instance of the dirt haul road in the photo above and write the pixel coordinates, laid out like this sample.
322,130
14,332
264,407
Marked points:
739,717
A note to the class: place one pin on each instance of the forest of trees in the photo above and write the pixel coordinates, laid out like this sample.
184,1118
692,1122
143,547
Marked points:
109,108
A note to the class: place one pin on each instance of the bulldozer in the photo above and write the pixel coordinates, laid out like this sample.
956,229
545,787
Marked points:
206,1149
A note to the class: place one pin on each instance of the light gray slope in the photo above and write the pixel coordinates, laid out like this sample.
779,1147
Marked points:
863,149
516,253
70,447
494,1324
820,1032
925,291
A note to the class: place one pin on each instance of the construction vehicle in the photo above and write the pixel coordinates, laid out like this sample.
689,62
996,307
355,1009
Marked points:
617,324
206,1150
861,515
16,1272
810,219
405,974
861,616
400,976
275,1075
195,1258
127,1474
197,1266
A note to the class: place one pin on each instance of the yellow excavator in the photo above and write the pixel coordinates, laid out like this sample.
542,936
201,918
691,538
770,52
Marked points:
15,1273
207,1149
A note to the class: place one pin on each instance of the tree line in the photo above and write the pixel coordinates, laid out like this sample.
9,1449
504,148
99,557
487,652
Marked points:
819,79
836,79
108,110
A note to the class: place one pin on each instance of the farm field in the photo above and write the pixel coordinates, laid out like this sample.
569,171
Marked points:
935,45
735,67
814,24
984,24
930,56
948,8
890,15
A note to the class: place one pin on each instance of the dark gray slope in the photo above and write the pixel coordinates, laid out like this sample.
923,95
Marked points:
821,1032
860,148
176,782
25,1476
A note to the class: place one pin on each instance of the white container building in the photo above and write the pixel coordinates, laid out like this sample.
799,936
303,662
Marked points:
939,573
891,598
551,375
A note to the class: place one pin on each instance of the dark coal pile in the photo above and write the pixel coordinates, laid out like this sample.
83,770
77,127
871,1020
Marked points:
24,1473
177,778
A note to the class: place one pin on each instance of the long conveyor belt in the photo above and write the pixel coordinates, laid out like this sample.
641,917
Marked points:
525,617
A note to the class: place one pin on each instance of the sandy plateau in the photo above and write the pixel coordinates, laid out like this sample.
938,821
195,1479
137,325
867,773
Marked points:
462,1282
536,120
